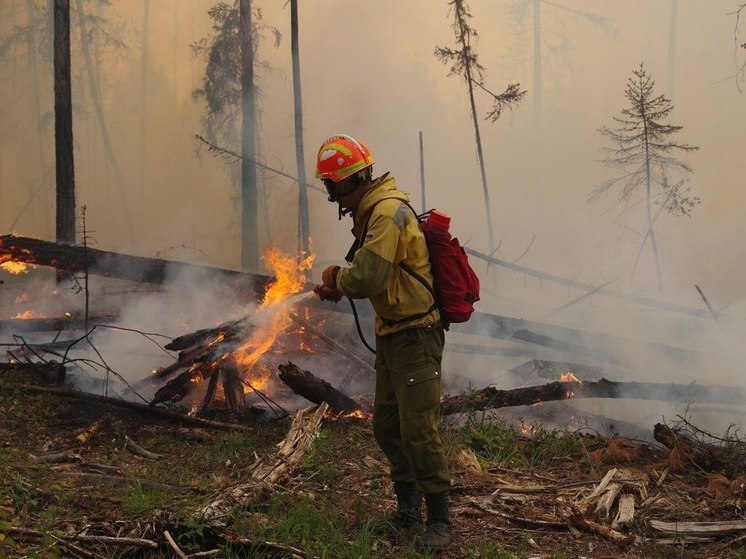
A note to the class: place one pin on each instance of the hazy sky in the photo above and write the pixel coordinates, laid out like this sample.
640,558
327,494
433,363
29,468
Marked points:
368,70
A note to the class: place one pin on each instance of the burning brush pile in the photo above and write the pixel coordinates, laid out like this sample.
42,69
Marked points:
231,367
234,364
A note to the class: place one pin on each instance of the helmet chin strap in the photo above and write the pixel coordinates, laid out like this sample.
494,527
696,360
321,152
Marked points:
344,212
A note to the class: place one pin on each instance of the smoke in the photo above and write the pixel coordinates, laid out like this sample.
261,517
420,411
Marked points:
367,71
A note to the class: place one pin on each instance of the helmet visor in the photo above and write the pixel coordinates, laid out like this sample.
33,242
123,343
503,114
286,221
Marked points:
337,190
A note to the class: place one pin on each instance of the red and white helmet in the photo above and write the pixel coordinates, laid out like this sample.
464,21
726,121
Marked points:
341,156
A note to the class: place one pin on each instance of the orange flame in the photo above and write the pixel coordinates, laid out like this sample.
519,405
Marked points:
15,267
289,279
29,314
356,414
569,377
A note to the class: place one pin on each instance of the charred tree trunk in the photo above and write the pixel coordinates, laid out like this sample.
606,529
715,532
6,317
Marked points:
63,125
316,390
73,321
72,259
708,457
491,397
232,385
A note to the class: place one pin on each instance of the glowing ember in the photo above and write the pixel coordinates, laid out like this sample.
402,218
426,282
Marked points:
357,414
569,377
528,430
14,267
29,314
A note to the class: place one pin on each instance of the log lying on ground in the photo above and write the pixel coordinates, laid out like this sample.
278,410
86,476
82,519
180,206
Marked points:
316,390
41,373
54,324
77,259
490,397
708,457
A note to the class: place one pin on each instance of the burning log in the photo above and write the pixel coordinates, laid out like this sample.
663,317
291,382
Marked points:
227,330
316,390
54,324
491,398
232,384
178,387
77,259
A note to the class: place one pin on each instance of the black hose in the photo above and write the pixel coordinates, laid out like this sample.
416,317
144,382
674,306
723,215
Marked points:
357,325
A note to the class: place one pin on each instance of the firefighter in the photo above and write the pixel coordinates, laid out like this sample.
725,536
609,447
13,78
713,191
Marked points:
389,248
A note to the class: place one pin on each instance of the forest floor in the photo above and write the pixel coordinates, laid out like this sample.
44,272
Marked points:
69,480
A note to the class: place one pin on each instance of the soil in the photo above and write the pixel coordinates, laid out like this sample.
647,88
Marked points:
546,511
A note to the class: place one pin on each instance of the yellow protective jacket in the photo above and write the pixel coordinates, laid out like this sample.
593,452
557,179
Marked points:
392,237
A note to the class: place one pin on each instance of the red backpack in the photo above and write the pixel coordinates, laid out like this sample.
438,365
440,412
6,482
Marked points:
456,286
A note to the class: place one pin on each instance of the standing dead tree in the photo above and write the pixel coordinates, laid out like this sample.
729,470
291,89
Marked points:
465,64
230,91
641,153
740,74
63,125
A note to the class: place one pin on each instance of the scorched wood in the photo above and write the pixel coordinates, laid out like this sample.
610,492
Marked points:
491,397
706,456
53,324
177,388
206,335
315,389
76,259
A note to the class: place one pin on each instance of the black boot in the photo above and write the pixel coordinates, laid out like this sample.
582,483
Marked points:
439,530
408,514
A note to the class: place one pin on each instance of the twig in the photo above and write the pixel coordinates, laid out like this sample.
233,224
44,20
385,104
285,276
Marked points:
519,519
106,540
709,307
578,299
140,451
180,554
230,153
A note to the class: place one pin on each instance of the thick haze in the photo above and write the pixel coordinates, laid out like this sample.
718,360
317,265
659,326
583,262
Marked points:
368,70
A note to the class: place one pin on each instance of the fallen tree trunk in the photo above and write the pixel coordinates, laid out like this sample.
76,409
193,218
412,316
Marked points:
77,259
179,387
53,324
316,390
153,410
708,457
490,397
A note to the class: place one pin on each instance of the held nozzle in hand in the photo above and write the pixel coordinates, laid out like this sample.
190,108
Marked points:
328,293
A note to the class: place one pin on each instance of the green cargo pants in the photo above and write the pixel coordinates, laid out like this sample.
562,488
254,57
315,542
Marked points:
407,407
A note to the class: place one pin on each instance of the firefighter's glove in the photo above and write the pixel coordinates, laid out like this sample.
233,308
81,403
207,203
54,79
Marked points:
329,277
328,293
